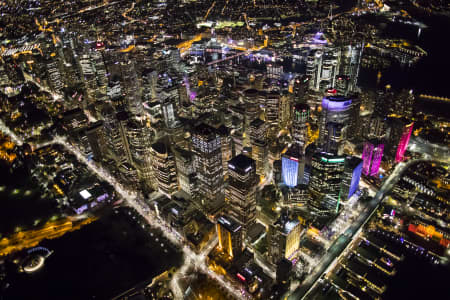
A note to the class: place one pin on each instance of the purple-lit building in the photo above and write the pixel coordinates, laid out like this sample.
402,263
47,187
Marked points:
372,155
336,110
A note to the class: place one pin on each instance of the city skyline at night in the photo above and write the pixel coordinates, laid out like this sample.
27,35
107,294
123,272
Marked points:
224,149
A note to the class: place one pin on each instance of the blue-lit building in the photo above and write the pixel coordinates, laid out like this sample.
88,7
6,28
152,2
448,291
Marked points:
352,174
292,167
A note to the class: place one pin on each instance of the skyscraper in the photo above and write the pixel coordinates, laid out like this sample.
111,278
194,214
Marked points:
208,163
139,140
229,232
241,191
351,177
398,134
164,169
326,176
258,140
284,238
372,155
336,110
299,127
292,166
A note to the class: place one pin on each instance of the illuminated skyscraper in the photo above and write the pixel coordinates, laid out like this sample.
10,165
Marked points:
258,140
326,176
336,110
164,169
96,137
372,155
404,140
398,134
225,147
139,140
351,177
283,238
229,232
293,166
299,127
186,171
208,163
241,191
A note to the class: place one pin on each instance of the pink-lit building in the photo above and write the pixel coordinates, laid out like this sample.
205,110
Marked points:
372,155
404,140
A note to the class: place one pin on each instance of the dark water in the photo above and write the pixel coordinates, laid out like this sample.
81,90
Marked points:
430,74
99,261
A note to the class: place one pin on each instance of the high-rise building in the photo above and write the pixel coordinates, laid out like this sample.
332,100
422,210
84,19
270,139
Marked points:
293,166
299,126
336,110
139,140
285,111
284,238
397,137
229,232
208,163
372,155
241,191
96,137
352,174
326,176
185,171
272,107
225,147
164,169
258,140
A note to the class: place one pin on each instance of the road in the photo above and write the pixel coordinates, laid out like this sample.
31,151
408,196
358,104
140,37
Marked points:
130,198
344,239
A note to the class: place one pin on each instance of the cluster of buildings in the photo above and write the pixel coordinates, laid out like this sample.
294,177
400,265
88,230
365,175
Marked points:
200,125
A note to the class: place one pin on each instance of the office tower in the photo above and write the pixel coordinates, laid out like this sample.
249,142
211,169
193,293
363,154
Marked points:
123,118
163,165
376,128
342,84
397,137
185,171
352,174
299,195
208,163
229,232
334,141
372,155
349,66
54,75
115,134
131,86
139,140
322,66
283,238
258,141
277,171
225,148
96,137
149,81
272,107
293,166
168,99
285,104
274,71
403,143
299,87
335,110
326,175
129,176
241,191
355,120
299,126
251,108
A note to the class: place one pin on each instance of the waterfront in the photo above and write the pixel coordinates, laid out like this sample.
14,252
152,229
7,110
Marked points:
99,261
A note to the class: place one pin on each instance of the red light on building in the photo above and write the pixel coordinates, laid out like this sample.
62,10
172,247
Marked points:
412,228
240,277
